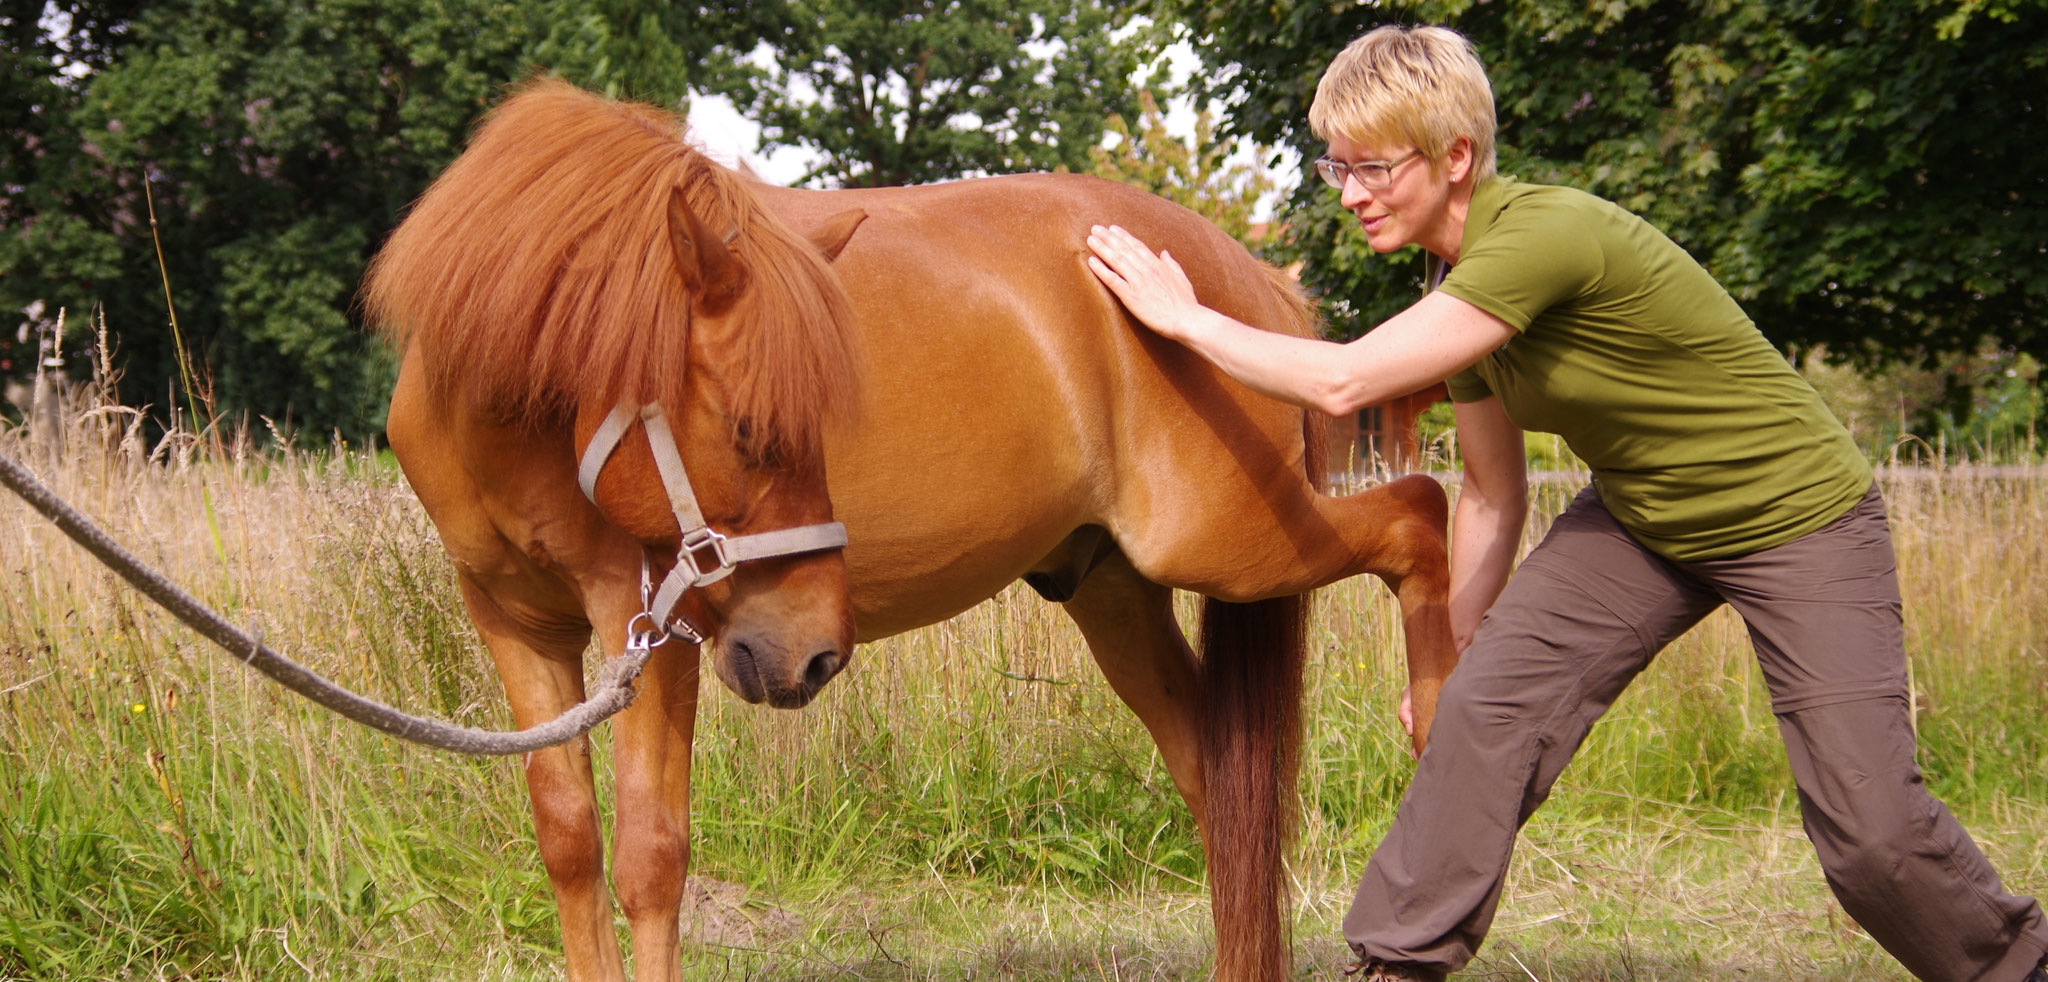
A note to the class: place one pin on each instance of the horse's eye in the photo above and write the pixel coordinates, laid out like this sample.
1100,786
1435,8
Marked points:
759,451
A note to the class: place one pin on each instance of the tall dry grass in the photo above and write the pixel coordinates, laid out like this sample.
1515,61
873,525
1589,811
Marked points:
967,801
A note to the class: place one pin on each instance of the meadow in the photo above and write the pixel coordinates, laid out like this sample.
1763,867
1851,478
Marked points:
967,801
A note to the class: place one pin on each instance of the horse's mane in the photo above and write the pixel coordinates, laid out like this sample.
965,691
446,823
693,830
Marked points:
1303,317
535,275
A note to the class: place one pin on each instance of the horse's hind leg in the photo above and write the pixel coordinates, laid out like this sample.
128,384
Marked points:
1296,540
1224,728
540,659
1399,530
1130,627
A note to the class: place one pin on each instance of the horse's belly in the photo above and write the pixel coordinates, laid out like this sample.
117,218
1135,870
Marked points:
944,508
911,563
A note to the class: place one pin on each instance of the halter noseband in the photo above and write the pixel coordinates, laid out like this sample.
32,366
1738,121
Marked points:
705,556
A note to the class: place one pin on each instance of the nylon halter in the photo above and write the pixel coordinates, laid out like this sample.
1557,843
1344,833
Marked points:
705,556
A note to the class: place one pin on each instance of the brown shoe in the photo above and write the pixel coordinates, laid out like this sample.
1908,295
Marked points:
1374,970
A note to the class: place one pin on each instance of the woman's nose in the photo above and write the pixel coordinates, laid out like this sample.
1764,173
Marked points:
1355,192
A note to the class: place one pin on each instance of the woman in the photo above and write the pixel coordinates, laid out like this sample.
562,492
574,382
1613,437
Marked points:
1718,477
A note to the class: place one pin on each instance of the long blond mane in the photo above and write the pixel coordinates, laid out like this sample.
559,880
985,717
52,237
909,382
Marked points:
535,276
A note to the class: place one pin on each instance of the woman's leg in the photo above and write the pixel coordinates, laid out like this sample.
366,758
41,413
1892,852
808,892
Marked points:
1580,618
1824,614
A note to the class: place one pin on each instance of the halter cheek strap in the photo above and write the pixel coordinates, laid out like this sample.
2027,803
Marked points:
705,556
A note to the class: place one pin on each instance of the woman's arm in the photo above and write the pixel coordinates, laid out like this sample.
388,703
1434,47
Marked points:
1492,504
1427,343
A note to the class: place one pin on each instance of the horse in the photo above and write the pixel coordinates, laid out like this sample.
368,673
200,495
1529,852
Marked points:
1006,420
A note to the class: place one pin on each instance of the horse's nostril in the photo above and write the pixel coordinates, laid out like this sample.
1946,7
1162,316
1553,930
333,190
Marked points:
822,667
742,673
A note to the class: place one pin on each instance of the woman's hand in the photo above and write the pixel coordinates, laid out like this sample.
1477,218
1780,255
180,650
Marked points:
1153,287
1406,717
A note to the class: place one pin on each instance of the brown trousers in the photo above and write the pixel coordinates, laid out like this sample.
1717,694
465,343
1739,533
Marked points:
1587,611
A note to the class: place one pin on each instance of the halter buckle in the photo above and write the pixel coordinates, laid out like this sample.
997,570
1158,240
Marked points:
699,544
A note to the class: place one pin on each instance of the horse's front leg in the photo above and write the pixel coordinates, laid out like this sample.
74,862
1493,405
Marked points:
651,843
542,668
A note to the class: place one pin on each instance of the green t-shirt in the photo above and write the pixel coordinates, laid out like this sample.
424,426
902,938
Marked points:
1703,441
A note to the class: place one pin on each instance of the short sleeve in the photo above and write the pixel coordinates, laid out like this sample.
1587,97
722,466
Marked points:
1534,257
1467,386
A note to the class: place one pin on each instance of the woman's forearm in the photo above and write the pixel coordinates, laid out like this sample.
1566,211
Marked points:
1492,503
1484,540
1427,343
1307,372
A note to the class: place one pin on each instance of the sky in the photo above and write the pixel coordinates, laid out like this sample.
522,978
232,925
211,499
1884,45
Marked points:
733,139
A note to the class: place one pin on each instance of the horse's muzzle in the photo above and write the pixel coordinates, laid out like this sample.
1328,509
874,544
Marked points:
758,671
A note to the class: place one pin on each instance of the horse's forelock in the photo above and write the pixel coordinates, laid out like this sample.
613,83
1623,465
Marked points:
537,276
798,367
790,365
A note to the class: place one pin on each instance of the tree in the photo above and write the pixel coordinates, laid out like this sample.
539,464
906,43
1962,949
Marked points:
1197,175
912,91
33,140
654,52
1985,405
276,143
1863,176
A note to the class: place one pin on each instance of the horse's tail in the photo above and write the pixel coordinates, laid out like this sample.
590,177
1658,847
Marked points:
1253,656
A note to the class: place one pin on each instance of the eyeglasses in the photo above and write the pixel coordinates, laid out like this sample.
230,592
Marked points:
1372,175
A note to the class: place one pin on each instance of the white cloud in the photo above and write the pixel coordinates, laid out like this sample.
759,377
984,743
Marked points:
733,140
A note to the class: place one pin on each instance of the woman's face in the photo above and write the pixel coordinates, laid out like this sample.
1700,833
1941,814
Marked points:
1413,209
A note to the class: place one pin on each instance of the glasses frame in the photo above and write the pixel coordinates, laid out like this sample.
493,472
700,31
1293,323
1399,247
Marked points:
1334,172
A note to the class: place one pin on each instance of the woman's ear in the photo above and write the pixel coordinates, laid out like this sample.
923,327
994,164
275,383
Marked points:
1458,160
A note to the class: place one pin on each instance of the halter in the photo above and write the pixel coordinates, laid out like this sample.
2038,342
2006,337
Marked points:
705,556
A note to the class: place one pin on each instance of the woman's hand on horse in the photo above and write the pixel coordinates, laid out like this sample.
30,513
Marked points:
1152,286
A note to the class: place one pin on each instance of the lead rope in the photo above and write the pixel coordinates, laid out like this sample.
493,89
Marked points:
614,689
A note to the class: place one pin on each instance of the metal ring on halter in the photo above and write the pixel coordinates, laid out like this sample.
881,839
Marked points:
703,556
641,638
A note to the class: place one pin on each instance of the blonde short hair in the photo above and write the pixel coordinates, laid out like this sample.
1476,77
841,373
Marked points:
1422,86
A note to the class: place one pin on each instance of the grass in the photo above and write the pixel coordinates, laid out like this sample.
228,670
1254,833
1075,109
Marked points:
968,802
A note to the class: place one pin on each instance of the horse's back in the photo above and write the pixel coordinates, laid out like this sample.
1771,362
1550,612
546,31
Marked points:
1011,400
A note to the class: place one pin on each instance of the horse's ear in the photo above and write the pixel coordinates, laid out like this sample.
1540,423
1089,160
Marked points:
831,237
709,269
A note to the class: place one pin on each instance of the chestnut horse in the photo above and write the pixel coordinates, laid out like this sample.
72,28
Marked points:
1011,422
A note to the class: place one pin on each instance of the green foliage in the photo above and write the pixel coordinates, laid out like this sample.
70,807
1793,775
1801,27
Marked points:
1436,434
279,142
1197,175
1983,406
629,49
1860,175
914,91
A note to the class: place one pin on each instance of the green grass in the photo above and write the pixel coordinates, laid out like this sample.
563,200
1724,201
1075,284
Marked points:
165,814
